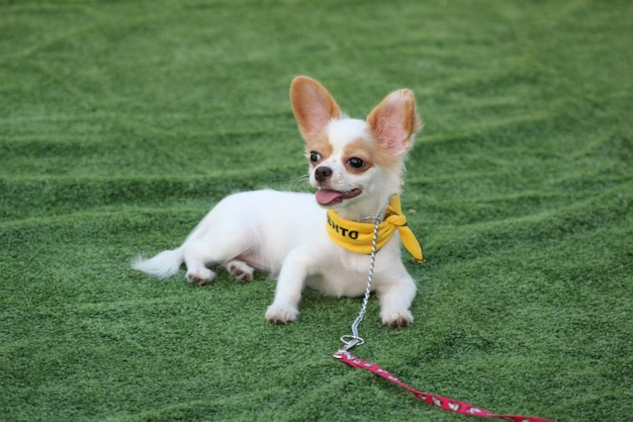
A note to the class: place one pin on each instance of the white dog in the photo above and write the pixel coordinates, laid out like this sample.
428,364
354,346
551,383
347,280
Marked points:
321,240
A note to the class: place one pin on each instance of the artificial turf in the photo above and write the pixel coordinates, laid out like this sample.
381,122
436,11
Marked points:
123,122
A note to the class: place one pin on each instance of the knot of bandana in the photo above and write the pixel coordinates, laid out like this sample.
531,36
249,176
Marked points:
358,237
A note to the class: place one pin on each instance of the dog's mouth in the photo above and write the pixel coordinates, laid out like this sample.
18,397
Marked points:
327,197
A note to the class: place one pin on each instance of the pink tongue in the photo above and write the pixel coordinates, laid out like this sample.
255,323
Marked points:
327,196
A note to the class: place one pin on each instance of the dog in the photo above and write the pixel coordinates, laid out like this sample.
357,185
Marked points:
356,167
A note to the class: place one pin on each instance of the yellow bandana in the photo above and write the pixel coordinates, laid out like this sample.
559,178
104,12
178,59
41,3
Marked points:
358,237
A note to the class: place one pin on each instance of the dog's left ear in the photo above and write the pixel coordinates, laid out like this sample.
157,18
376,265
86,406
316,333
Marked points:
394,121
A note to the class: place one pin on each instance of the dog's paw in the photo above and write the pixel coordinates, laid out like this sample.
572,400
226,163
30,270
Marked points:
240,271
281,314
200,277
398,319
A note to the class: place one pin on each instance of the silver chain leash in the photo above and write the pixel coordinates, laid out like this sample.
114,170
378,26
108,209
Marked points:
351,340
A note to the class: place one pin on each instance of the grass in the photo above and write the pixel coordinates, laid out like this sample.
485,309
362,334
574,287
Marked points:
122,123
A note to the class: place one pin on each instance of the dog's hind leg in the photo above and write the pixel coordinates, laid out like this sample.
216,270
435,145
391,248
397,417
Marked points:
197,271
240,270
216,247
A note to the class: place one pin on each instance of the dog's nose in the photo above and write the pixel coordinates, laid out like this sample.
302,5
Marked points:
321,174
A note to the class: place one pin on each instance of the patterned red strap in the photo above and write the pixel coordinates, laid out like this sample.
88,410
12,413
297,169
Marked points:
444,403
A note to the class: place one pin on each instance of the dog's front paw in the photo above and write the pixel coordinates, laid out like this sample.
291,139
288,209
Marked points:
398,319
279,314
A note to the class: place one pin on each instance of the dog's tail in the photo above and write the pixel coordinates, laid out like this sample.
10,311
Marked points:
163,265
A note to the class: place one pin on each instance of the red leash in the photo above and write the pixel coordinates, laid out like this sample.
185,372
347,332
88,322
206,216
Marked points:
443,403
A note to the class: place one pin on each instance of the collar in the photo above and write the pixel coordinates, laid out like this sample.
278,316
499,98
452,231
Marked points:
358,237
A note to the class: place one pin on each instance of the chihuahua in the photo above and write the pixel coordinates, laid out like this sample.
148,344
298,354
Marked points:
356,167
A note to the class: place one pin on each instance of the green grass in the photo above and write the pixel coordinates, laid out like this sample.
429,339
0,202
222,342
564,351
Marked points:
122,123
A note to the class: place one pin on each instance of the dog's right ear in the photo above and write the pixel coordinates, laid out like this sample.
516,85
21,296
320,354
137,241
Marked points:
313,106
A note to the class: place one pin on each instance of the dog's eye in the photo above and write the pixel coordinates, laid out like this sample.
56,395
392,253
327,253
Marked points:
315,156
356,162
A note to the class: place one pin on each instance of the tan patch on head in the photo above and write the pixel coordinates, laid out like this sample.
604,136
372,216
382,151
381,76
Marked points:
359,148
320,145
371,153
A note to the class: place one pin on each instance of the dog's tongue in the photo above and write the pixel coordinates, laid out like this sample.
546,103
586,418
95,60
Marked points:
327,196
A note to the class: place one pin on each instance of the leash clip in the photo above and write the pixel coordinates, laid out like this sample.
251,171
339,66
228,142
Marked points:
351,340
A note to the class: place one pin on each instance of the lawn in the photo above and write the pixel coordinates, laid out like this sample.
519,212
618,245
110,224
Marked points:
123,122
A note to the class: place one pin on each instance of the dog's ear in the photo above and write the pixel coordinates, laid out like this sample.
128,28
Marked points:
394,121
313,106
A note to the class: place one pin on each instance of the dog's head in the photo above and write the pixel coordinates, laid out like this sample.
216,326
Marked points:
356,165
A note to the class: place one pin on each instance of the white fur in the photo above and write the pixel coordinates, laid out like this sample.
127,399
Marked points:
378,184
285,234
